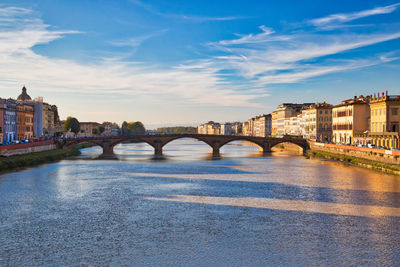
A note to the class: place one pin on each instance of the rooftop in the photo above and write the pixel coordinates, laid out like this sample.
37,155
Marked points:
24,95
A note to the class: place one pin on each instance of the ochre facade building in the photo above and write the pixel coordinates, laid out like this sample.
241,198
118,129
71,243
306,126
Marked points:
350,118
25,114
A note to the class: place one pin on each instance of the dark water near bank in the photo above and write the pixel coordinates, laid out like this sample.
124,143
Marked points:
188,210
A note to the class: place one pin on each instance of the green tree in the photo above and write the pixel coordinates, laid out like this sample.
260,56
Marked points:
136,128
98,130
124,128
132,128
72,124
177,129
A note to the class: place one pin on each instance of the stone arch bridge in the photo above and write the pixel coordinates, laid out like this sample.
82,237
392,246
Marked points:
159,141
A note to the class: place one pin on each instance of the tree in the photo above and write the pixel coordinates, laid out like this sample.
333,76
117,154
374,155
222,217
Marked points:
72,125
98,130
56,116
177,129
136,128
132,128
124,128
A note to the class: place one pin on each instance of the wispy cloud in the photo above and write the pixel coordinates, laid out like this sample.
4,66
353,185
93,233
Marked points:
346,17
110,76
135,42
264,36
184,17
272,58
236,75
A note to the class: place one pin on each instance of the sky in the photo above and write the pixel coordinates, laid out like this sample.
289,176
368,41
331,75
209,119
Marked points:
187,62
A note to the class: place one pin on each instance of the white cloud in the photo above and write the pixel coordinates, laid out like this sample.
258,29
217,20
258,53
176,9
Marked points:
346,17
291,52
254,60
189,18
192,83
135,42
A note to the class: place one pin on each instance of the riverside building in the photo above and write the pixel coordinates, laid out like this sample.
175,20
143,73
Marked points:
87,129
318,122
226,129
25,114
283,113
384,122
350,119
261,125
9,125
37,105
208,128
48,120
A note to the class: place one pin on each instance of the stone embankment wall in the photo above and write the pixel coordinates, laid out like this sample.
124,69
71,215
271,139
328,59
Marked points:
19,149
288,147
380,155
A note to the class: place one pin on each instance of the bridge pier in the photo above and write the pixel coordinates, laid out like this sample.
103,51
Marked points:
215,152
266,148
108,150
158,151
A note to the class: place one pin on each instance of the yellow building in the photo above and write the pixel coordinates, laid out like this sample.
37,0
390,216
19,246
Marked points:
318,122
246,129
25,114
350,118
48,120
385,119
209,128
87,128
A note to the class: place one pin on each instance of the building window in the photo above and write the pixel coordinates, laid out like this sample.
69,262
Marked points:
394,111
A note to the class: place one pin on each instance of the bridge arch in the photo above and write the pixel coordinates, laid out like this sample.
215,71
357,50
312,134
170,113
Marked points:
260,144
302,144
111,145
191,137
71,144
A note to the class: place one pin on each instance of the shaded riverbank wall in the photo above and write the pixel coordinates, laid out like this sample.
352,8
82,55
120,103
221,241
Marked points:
374,154
26,148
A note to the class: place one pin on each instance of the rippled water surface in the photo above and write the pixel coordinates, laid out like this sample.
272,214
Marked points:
187,210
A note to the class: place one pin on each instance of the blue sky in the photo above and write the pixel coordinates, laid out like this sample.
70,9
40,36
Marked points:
187,62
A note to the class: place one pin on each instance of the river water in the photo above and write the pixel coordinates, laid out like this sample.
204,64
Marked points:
187,210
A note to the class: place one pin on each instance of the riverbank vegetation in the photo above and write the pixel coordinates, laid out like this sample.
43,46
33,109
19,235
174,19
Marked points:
132,128
177,130
37,158
354,161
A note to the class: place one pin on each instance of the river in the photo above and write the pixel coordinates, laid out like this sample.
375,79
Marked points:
187,210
